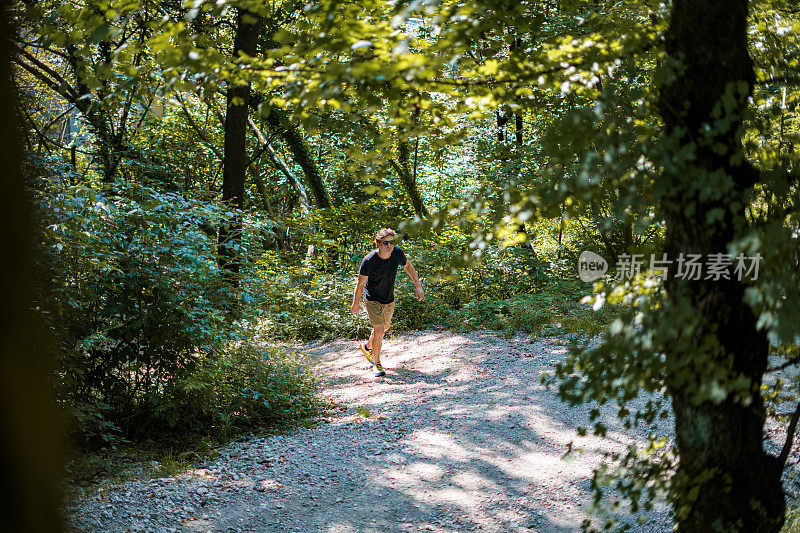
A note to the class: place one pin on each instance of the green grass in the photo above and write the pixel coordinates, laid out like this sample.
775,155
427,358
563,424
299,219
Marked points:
363,410
792,524
170,464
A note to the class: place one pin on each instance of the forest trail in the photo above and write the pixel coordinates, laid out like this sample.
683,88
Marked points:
458,436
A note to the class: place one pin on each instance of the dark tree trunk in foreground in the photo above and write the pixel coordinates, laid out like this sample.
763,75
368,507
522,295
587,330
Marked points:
235,159
719,439
30,459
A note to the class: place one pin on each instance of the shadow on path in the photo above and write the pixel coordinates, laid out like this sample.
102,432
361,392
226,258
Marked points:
461,437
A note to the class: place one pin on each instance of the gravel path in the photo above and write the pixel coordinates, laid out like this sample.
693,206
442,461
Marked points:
459,436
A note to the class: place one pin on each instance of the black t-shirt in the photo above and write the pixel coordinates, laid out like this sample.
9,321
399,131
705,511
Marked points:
381,274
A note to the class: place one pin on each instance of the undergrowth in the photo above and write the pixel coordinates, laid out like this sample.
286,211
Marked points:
244,388
792,524
301,302
552,311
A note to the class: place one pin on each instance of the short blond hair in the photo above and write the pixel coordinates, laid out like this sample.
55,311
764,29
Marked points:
384,233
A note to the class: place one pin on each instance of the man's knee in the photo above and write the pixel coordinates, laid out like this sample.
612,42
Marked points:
380,329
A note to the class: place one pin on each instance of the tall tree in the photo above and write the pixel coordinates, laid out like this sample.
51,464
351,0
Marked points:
719,439
236,159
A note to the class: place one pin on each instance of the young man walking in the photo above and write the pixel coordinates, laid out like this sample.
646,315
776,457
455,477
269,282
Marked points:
376,281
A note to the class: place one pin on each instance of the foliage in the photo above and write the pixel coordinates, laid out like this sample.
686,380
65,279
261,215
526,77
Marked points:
597,163
293,299
552,311
792,524
140,306
244,388
363,411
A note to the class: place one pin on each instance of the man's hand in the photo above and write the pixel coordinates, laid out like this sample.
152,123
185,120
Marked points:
420,293
355,308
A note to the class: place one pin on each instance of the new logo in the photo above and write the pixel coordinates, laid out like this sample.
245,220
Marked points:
591,266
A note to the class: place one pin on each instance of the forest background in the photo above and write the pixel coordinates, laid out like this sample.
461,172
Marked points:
206,176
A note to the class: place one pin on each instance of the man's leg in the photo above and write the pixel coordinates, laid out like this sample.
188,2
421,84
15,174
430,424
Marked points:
375,341
386,312
376,320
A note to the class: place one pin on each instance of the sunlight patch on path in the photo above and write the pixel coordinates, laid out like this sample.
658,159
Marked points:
485,440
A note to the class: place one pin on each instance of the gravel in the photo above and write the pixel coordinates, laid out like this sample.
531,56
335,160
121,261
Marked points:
460,437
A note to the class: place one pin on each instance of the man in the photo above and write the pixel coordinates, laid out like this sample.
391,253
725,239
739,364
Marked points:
376,280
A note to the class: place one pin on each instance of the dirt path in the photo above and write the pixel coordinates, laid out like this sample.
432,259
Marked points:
459,436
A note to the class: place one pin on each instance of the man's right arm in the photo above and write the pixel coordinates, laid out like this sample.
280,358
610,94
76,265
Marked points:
356,307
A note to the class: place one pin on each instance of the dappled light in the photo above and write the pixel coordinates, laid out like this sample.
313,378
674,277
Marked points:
490,435
369,265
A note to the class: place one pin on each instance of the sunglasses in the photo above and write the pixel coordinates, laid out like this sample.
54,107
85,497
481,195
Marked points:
385,243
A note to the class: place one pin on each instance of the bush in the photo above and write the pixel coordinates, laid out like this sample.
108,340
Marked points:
510,290
552,311
242,388
501,273
295,301
130,286
143,315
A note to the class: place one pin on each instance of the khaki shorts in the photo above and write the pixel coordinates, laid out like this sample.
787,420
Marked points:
379,314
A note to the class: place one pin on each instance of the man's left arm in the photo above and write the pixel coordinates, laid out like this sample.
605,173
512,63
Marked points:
417,283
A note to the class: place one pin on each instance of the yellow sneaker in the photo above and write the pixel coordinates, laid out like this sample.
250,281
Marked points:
367,352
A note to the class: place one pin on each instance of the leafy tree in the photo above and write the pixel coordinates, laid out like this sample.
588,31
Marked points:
650,127
704,207
91,59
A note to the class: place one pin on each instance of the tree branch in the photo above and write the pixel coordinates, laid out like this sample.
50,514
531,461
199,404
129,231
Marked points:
200,132
787,446
787,364
56,119
54,85
34,44
144,115
280,165
42,138
59,80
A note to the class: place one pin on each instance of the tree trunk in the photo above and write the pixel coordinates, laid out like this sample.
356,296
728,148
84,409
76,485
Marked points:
404,171
235,159
111,143
719,440
30,448
279,123
502,120
279,164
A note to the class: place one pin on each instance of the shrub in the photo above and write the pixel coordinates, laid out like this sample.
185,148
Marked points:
552,311
513,290
241,388
130,286
501,273
295,301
